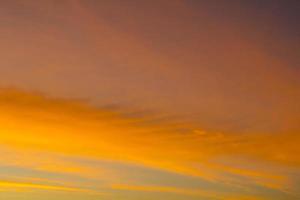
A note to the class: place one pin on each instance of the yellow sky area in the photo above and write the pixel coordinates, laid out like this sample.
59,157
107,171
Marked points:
38,123
25,186
49,162
20,185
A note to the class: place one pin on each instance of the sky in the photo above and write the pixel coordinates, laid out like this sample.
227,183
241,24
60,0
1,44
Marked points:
147,100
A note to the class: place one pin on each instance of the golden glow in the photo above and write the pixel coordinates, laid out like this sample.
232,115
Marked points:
34,124
10,185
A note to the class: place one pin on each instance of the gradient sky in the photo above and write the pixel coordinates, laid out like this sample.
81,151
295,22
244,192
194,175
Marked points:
147,100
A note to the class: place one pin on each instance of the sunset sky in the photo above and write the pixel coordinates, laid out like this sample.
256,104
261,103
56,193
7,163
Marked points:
149,100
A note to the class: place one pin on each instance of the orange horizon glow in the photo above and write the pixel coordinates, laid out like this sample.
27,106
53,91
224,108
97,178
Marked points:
76,129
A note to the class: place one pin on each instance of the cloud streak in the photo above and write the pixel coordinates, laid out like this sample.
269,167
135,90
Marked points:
39,124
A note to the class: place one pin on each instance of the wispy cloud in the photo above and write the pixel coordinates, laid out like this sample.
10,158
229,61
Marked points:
21,185
37,123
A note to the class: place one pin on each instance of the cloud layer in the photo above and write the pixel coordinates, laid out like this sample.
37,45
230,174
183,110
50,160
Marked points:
44,134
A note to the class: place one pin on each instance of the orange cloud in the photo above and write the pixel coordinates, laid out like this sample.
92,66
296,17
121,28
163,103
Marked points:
39,123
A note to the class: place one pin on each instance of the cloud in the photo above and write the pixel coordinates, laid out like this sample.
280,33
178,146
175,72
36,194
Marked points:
163,189
19,185
197,192
38,123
